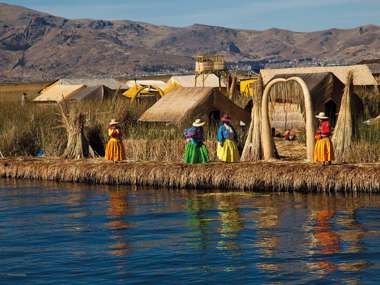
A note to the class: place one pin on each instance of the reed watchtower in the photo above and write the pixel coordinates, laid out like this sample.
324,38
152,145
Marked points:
210,64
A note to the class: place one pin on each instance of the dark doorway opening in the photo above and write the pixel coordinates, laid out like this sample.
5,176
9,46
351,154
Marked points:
331,112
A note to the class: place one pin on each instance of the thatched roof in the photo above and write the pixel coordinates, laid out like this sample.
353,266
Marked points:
182,105
110,83
287,97
211,80
88,93
374,67
362,74
58,93
322,86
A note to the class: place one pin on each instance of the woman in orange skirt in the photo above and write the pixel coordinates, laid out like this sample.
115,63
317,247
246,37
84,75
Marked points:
114,149
324,151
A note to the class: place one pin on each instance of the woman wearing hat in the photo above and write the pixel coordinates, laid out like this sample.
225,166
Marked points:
114,149
195,150
323,151
227,149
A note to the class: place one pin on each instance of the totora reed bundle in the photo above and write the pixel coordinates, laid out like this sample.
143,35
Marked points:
77,143
252,149
343,133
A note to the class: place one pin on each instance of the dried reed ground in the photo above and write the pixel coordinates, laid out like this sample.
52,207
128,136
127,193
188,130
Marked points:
260,176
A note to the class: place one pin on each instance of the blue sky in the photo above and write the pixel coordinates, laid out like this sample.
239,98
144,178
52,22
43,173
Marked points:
296,15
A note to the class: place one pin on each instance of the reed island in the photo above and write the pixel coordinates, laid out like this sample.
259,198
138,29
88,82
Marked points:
306,129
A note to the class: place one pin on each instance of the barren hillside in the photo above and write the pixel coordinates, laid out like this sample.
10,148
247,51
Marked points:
39,46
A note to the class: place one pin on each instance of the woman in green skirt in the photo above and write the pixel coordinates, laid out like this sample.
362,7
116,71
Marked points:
195,150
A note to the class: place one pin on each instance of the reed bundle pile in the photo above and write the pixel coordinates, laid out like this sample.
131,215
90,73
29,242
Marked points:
343,133
231,85
77,143
252,149
259,176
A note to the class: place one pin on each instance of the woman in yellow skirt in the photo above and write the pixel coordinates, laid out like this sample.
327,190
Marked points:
324,151
114,149
227,149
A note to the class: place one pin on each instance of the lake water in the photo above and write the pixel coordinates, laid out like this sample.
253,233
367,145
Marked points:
80,234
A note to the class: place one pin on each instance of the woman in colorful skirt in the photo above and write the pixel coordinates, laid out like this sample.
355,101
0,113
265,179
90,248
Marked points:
324,151
195,150
227,149
114,149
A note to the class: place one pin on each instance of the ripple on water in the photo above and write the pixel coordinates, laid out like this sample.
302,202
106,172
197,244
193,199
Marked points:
58,234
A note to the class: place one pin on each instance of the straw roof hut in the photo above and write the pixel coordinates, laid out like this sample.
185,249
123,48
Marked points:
182,105
317,89
326,85
58,93
89,93
362,74
110,83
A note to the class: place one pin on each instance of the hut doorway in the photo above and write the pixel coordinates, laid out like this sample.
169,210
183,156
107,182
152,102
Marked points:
331,111
266,134
214,121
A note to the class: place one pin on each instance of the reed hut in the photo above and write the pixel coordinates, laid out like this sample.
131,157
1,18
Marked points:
98,93
110,83
315,89
59,93
182,105
79,89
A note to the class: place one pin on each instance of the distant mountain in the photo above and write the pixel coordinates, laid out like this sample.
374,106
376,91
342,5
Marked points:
39,46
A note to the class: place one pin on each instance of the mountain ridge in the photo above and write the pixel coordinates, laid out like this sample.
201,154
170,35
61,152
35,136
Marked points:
38,46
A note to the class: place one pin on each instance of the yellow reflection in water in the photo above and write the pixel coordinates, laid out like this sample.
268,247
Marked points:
231,222
118,205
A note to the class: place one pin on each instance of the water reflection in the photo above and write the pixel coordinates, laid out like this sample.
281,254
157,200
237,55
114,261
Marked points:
117,210
198,221
271,238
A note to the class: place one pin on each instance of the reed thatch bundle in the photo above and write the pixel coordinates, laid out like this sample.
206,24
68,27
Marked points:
252,149
77,144
343,133
231,86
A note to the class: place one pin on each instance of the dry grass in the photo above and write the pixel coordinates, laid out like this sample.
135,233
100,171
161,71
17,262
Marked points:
26,129
11,92
272,176
161,150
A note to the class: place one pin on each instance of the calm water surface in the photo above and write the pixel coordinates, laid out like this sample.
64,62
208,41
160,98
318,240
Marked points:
70,234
